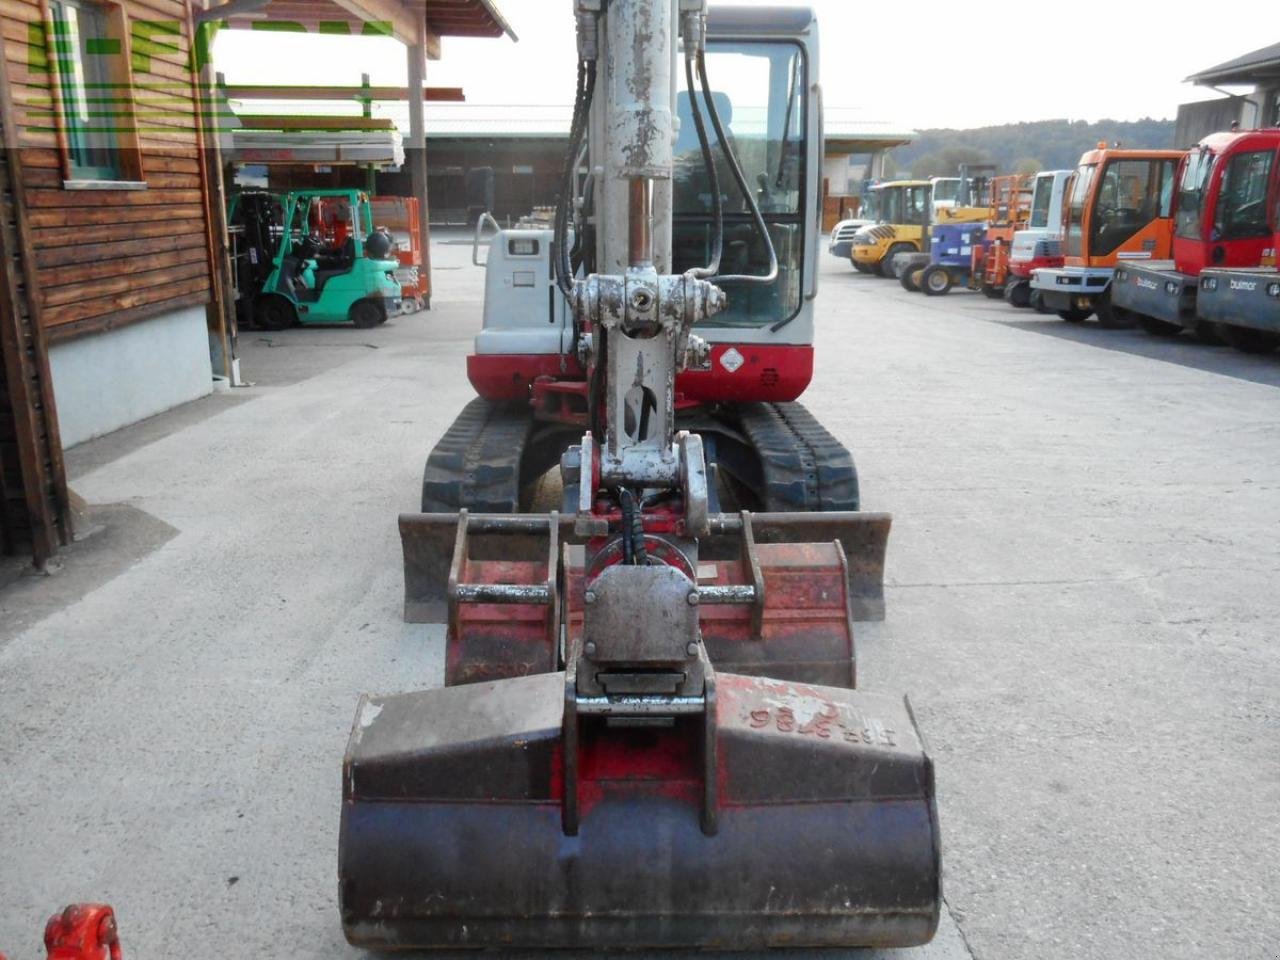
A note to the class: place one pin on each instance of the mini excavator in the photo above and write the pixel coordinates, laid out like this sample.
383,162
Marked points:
649,735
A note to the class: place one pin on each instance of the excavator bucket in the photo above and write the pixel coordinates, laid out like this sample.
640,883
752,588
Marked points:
498,815
430,542
776,591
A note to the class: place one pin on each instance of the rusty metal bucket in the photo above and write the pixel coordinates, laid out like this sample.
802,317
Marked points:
790,815
777,608
429,541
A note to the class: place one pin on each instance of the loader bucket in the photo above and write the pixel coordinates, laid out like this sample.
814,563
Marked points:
788,815
429,539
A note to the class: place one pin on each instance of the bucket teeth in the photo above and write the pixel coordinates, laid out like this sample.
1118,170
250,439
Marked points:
452,832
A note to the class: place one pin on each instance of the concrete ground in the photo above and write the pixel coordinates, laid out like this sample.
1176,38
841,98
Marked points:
1082,607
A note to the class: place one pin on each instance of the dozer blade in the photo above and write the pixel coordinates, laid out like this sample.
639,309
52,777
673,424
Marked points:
429,539
457,831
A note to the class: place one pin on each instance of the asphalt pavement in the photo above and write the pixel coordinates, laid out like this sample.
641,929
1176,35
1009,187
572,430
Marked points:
1082,608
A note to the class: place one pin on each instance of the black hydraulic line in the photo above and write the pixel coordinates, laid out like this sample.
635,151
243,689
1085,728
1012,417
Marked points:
560,230
633,548
741,180
639,553
562,261
713,175
627,500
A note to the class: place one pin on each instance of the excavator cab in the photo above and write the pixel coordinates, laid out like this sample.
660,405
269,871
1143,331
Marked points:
765,62
767,452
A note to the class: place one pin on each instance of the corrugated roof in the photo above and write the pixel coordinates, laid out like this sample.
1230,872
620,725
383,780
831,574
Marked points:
1252,68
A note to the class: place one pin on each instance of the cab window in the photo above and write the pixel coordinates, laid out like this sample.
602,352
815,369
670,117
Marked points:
870,206
1242,201
918,199
1195,176
1131,194
1075,209
760,98
944,190
1040,202
891,208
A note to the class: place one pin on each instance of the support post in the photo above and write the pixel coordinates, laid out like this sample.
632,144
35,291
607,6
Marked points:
220,314
366,111
416,149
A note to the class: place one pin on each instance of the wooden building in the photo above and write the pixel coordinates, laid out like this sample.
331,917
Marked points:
112,241
1255,102
109,233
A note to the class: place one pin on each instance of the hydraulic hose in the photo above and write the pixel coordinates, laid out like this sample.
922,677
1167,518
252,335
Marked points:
713,175
741,180
627,500
562,262
634,551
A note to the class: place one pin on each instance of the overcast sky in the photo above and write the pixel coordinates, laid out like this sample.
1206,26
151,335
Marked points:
1083,60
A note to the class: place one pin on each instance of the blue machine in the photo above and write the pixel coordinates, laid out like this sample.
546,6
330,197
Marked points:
951,247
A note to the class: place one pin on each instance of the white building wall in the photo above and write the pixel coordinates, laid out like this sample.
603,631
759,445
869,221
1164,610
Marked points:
110,380
835,168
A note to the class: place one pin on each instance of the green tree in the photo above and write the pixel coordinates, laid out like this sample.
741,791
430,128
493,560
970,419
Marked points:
1027,166
948,161
1056,144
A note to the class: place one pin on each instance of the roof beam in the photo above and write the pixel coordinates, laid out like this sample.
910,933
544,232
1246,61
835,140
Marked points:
404,23
232,9
262,91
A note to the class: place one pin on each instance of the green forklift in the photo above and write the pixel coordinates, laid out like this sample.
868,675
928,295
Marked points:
329,264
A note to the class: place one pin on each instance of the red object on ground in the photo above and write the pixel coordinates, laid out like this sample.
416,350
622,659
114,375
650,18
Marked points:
83,931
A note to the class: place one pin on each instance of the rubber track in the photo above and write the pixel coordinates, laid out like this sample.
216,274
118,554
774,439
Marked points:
805,468
476,464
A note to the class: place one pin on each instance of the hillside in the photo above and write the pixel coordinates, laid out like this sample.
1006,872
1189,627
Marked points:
1023,147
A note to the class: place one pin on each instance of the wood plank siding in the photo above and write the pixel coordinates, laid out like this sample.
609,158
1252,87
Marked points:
96,232
108,257
35,513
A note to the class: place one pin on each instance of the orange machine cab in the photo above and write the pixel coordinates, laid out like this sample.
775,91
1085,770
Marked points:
1120,210
1121,207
